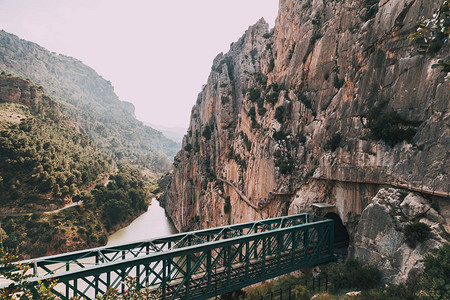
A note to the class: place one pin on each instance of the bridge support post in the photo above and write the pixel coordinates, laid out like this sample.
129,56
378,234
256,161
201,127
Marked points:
208,270
331,238
164,279
188,274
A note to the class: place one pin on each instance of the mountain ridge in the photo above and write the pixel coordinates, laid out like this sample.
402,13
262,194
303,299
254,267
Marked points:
91,100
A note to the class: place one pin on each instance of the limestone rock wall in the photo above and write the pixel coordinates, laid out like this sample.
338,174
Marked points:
286,110
380,239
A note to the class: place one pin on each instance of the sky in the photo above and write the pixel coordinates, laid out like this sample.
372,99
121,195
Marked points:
157,54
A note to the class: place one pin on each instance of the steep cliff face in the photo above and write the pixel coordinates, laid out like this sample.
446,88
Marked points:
325,107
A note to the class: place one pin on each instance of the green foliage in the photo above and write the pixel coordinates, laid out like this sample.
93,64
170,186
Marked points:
253,94
271,64
352,274
122,198
305,100
315,37
237,158
416,233
370,13
260,79
338,83
267,35
42,234
225,100
301,138
432,34
188,147
207,132
280,114
227,205
45,156
435,282
386,126
333,143
247,142
273,93
389,292
284,162
279,136
252,114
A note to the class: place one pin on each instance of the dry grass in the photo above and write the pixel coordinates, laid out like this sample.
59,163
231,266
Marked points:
12,113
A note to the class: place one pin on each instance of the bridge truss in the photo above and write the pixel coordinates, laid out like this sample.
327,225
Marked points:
193,265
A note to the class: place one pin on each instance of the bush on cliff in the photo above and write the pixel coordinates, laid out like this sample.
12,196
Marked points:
352,274
435,282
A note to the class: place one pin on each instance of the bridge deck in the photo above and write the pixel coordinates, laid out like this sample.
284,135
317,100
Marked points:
194,265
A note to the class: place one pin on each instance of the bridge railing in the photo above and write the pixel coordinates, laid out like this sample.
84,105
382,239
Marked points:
216,261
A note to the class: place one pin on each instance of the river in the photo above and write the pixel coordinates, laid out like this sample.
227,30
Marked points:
153,223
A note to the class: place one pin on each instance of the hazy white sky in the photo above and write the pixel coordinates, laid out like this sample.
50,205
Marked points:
157,54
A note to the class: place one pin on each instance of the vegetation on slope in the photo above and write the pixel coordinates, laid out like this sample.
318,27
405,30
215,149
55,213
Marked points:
86,226
45,159
91,101
43,156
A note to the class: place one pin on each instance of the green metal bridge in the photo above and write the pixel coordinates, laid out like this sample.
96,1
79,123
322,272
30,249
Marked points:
193,265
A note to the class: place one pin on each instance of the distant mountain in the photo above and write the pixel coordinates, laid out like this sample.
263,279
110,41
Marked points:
91,101
175,134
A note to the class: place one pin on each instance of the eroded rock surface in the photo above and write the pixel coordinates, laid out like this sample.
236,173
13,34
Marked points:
288,107
380,239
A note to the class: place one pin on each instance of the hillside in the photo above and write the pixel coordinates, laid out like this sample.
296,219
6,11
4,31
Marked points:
91,101
328,107
44,157
46,162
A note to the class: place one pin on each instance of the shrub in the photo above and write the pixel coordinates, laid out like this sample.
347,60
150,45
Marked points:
225,100
252,114
271,65
301,293
435,282
385,126
338,83
416,233
301,138
188,147
333,143
280,113
267,35
207,132
262,111
227,205
370,13
254,94
352,274
279,136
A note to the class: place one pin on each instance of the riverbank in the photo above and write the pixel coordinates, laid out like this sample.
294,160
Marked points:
152,223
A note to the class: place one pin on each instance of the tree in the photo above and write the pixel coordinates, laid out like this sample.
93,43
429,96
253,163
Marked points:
432,34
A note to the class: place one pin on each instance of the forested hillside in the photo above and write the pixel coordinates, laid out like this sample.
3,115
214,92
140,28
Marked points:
44,157
47,161
91,101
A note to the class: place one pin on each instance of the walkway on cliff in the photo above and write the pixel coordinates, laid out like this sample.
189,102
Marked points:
375,175
241,194
267,199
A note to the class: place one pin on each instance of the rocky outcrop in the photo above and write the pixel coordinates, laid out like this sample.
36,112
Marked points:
382,237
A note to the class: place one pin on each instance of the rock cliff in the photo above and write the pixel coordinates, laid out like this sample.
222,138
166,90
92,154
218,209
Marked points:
327,106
